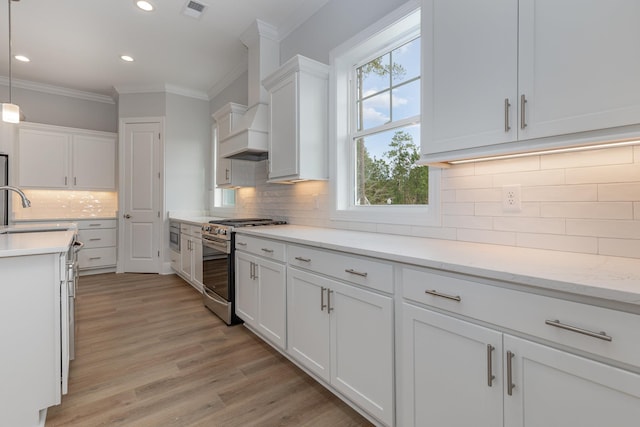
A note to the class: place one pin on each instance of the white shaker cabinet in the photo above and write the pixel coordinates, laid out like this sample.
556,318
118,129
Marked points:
344,335
298,136
446,360
261,287
191,255
65,158
518,72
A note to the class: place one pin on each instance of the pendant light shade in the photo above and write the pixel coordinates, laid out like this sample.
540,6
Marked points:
10,111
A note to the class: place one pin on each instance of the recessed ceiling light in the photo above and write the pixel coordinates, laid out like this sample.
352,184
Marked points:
126,58
144,5
22,58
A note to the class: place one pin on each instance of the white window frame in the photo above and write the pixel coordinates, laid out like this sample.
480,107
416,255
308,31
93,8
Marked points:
396,28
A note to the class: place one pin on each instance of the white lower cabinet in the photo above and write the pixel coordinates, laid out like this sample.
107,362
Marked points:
457,373
344,335
99,252
261,289
451,377
191,255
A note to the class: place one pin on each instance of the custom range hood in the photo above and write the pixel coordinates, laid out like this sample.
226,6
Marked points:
243,132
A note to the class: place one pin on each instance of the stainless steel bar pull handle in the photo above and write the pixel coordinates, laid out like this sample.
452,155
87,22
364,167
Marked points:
523,102
329,308
441,295
322,304
507,104
490,376
269,251
598,335
510,384
241,244
299,258
357,273
226,175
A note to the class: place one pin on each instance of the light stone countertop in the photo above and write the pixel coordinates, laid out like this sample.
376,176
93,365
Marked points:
193,219
594,276
42,239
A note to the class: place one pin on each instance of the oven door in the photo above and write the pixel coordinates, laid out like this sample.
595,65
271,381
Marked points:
217,277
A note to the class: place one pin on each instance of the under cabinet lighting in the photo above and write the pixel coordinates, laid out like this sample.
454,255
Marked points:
550,151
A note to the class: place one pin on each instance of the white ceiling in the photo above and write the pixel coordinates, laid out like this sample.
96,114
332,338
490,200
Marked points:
76,44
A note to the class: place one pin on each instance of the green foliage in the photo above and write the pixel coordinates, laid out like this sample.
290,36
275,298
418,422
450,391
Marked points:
376,66
395,178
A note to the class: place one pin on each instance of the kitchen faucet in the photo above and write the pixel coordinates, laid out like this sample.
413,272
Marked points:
25,202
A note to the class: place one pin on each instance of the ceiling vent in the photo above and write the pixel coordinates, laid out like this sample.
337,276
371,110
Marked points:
194,9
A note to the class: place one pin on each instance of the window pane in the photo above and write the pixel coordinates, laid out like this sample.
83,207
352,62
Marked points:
375,111
374,76
406,100
385,169
406,62
228,197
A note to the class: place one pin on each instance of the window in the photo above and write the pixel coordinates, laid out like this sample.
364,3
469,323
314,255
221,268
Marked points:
376,88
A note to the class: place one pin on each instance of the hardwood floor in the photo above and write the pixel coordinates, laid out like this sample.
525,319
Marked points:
148,353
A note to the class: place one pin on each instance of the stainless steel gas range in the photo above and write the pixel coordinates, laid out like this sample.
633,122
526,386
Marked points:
218,264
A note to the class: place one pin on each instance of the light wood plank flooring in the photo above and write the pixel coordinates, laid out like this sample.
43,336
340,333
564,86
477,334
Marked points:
148,353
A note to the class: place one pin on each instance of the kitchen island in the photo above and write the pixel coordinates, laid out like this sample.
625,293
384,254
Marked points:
33,306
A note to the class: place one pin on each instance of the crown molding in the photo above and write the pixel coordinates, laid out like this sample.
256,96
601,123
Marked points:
57,90
163,88
229,78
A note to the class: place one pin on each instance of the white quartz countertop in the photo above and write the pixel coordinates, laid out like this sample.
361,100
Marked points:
603,277
193,219
40,239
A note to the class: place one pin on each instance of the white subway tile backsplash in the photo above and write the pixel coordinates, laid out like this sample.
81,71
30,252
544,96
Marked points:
558,242
595,210
604,174
604,228
556,193
468,221
434,232
496,209
576,159
546,177
619,192
530,225
521,164
447,196
620,247
457,208
52,204
478,195
487,236
474,181
465,169
636,210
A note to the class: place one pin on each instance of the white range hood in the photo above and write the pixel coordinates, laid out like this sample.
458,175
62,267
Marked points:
245,134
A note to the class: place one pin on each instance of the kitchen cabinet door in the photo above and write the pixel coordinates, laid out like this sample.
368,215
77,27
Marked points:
186,256
469,81
94,162
450,377
246,289
272,300
308,323
43,159
575,65
197,262
554,388
362,348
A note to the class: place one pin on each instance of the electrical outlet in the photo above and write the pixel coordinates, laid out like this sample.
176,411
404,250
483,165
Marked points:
511,199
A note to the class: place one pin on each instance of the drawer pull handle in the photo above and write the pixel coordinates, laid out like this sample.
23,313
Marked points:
523,103
329,308
241,244
322,304
490,376
95,239
510,384
507,127
269,251
441,295
357,273
95,258
598,335
94,225
299,258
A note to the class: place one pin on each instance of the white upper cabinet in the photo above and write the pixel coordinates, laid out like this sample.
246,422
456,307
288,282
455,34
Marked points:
65,158
298,133
230,173
544,71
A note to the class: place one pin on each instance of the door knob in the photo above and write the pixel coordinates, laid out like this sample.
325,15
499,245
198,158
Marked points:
127,216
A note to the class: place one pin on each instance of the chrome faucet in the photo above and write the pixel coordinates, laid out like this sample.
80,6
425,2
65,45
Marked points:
25,202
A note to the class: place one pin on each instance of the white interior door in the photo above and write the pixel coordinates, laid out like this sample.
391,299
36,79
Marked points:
141,220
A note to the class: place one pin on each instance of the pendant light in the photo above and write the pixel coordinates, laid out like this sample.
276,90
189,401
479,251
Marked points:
10,111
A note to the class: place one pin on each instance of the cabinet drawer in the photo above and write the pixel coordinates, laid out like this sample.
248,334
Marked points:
191,230
98,238
96,257
530,314
98,223
262,247
351,268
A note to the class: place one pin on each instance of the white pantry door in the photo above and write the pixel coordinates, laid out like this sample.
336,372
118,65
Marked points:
141,207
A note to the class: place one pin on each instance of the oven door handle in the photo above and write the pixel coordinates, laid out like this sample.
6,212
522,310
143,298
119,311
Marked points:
212,295
220,246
